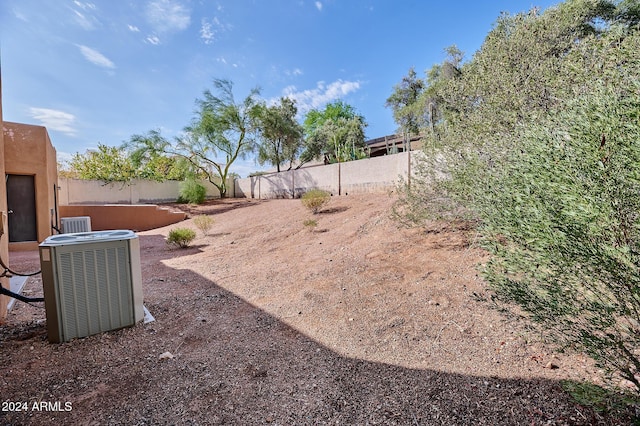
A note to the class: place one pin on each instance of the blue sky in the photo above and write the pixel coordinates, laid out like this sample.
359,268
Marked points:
99,71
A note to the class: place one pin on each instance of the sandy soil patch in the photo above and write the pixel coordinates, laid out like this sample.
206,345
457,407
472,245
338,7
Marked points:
269,322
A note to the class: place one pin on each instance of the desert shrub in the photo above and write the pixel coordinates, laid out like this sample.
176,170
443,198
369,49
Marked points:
315,199
564,226
192,192
615,403
551,176
310,223
181,237
204,223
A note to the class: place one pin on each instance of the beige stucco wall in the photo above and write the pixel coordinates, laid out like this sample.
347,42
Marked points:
136,217
28,151
373,174
77,191
379,174
326,178
4,241
247,187
277,185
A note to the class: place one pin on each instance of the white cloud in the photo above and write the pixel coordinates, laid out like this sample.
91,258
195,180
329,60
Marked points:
133,28
54,120
319,6
20,15
296,71
152,39
168,15
211,28
83,21
83,15
307,100
207,34
224,61
85,6
96,57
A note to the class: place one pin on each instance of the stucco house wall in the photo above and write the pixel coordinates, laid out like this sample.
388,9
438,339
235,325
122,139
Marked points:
4,241
28,151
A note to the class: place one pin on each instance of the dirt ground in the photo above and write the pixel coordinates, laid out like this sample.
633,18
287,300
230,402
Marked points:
356,321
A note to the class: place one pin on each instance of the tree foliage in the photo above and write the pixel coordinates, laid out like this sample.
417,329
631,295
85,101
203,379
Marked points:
404,103
153,165
222,131
119,164
536,138
280,135
107,163
335,133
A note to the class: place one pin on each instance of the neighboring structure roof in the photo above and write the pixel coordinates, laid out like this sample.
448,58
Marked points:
391,144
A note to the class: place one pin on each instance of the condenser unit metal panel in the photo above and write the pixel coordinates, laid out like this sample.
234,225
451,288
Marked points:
92,283
76,224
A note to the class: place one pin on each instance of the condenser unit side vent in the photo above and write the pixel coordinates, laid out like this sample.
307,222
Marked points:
76,224
95,290
92,283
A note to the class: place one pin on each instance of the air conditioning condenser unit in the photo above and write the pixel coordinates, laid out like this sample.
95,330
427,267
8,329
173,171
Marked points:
92,283
75,224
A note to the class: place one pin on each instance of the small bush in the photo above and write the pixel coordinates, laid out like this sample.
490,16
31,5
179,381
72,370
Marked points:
204,223
192,192
310,223
181,237
315,199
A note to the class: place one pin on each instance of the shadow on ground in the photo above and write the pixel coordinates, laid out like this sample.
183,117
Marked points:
215,206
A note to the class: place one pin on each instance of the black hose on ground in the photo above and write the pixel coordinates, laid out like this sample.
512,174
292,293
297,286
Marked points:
7,273
19,296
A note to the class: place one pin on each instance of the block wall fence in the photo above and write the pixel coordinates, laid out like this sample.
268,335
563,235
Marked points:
377,174
138,191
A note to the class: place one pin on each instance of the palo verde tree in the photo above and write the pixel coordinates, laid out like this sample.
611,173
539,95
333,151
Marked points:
280,135
222,131
336,132
538,137
154,165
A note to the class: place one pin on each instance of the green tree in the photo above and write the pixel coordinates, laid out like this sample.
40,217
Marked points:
336,132
154,165
404,103
339,140
222,131
281,136
107,163
120,164
523,72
